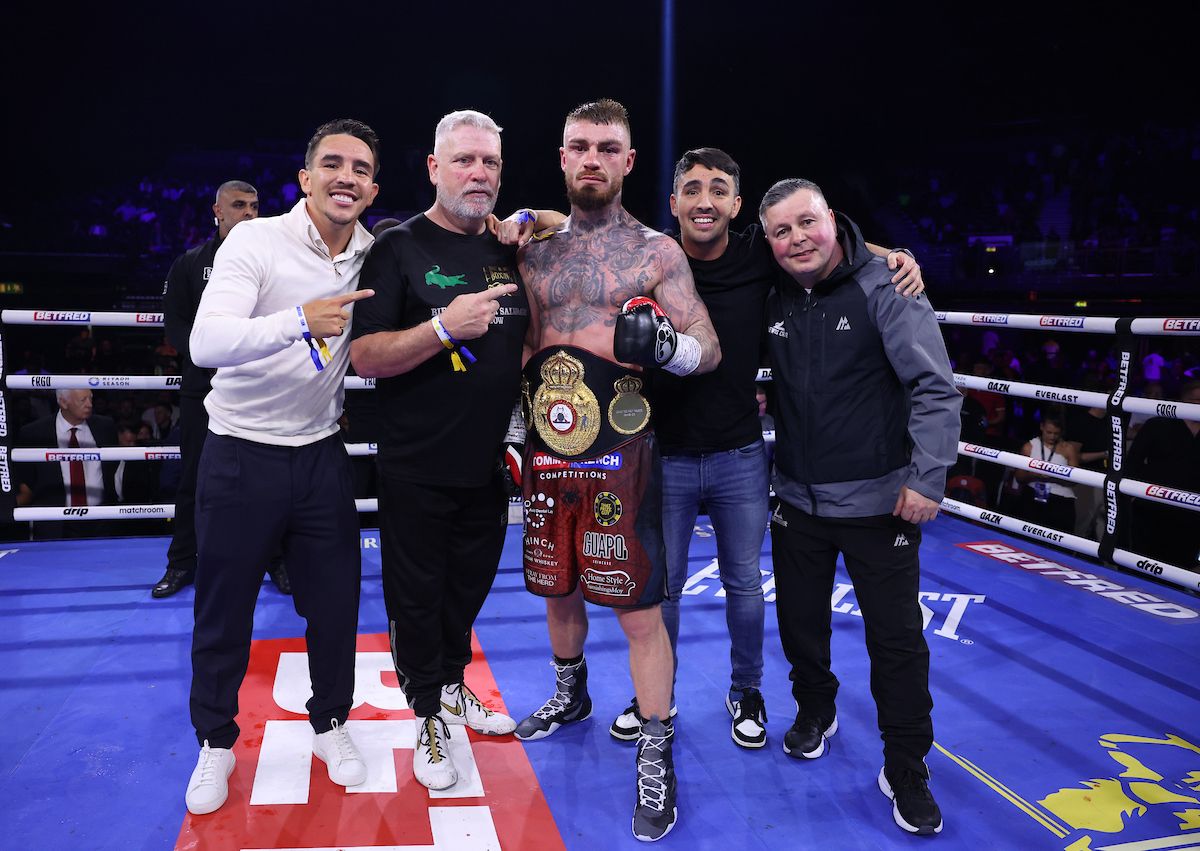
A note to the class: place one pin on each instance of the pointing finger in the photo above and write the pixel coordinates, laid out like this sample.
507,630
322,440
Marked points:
357,295
499,292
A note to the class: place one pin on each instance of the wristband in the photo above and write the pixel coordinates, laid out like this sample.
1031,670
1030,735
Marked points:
457,350
686,357
317,350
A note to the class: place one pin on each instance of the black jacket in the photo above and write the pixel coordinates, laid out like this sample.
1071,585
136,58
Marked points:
181,299
44,478
866,400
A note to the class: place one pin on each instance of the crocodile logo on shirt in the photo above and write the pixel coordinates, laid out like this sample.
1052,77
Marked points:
435,278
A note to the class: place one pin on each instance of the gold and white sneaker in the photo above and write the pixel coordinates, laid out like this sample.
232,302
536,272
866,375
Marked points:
461,706
432,765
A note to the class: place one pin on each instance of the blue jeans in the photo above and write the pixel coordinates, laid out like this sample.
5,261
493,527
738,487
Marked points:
733,486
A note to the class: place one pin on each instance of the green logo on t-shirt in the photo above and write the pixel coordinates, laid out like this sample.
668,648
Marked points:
434,278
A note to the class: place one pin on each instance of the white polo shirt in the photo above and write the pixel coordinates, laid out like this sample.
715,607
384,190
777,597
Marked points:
266,388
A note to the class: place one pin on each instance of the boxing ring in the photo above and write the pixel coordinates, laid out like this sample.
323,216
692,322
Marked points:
1065,690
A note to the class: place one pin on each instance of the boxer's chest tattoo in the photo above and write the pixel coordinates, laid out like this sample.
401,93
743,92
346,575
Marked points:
585,278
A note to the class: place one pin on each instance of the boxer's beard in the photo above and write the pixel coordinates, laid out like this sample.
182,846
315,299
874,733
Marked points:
589,197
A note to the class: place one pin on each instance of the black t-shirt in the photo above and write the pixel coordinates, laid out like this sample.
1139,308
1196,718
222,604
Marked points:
438,426
718,411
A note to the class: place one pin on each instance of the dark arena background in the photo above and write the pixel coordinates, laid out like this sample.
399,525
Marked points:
1041,161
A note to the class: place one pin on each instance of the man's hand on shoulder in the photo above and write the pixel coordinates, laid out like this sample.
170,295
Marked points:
908,273
914,508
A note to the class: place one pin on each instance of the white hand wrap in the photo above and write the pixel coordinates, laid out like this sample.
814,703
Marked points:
686,357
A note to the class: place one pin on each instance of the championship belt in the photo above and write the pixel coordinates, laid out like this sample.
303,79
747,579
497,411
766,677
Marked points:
566,412
629,411
581,404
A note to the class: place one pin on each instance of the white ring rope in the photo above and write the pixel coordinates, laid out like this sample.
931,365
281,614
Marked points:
126,382
1086,546
1091,478
1149,325
1157,326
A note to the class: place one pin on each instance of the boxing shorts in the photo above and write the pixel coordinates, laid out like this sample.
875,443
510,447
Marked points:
592,482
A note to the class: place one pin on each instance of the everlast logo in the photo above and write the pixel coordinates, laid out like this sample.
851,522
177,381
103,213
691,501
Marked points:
1183,497
1054,395
989,318
1061,321
1181,324
75,512
1039,532
61,316
998,386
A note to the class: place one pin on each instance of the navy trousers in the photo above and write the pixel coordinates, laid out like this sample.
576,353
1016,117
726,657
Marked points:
251,499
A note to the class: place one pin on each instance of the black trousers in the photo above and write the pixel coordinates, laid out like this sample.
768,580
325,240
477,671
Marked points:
251,498
885,572
193,427
440,547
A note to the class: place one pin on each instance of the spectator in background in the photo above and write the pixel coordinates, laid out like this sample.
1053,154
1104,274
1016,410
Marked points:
68,483
1048,500
1092,435
236,201
1167,452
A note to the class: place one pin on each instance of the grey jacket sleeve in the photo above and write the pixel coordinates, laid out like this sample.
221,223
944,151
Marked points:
913,342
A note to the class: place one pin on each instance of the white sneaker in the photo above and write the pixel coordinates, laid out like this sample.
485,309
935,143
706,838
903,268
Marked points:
461,706
343,761
432,765
209,786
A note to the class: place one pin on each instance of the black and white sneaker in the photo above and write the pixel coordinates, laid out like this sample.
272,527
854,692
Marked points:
808,736
628,724
570,703
913,806
749,728
656,812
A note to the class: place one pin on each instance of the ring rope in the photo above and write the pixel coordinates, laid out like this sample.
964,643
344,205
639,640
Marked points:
1118,405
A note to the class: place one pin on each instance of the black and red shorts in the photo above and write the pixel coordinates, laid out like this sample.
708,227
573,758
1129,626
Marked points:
595,518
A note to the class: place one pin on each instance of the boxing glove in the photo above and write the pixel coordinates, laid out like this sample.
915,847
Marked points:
645,336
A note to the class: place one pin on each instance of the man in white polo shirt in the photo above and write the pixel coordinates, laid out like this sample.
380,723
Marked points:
274,471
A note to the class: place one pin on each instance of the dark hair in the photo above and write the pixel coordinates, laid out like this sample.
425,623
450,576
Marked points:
603,111
713,158
349,127
783,190
382,225
234,186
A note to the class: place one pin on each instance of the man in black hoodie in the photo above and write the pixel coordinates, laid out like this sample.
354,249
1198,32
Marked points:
867,426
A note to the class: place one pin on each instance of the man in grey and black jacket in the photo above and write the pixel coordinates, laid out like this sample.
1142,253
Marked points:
867,426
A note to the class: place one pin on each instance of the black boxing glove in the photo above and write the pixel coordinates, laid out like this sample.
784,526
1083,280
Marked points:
645,336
